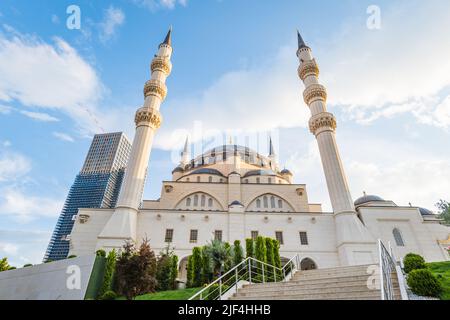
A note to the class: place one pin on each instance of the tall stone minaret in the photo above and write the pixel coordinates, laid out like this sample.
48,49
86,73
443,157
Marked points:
354,241
122,224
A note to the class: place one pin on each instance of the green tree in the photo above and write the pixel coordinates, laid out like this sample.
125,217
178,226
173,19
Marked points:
163,269
276,256
238,254
219,254
249,248
174,272
260,249
228,264
270,259
136,270
207,272
4,265
444,210
197,265
110,268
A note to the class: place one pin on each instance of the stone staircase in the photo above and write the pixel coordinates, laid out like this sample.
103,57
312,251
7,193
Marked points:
341,283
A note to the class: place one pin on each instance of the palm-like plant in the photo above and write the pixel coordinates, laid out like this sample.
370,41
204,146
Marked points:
219,254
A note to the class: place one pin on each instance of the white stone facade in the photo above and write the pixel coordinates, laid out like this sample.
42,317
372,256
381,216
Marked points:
234,193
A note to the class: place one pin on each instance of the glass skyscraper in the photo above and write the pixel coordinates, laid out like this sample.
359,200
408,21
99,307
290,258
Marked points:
96,186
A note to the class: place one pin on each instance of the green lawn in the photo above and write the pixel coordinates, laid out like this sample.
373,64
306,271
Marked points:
168,295
442,271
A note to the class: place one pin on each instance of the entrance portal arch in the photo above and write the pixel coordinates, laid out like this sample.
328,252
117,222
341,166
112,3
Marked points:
308,264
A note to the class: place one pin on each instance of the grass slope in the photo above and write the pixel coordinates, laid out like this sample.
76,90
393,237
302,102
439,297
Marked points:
168,295
442,271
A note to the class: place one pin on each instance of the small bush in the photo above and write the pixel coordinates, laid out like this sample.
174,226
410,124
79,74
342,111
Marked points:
27,265
101,253
108,295
423,283
413,262
71,256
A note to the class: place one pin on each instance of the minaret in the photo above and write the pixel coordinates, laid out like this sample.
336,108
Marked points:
352,237
272,156
185,154
122,224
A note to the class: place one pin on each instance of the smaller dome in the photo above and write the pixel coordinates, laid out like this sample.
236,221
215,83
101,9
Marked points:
426,212
177,169
234,172
260,173
207,171
286,171
236,203
368,198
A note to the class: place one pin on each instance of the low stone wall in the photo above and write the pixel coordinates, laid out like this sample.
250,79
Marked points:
68,279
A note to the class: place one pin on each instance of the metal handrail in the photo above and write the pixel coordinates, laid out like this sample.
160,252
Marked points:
250,266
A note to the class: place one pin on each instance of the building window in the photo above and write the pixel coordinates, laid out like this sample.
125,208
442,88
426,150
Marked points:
188,202
270,180
303,238
210,179
266,203
195,200
210,202
280,204
272,202
246,180
254,235
279,236
169,235
258,180
198,179
203,200
398,238
193,236
218,235
258,203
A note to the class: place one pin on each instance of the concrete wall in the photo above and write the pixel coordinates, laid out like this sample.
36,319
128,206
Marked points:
47,281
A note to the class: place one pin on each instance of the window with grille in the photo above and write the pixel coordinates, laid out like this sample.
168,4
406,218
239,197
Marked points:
193,236
279,236
169,235
218,235
398,238
303,238
254,235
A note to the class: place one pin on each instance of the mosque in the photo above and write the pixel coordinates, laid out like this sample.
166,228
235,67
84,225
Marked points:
232,193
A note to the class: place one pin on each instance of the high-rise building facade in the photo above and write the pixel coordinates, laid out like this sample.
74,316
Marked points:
96,186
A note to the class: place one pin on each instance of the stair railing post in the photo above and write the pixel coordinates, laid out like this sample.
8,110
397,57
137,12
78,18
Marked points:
236,276
275,274
249,271
220,289
284,274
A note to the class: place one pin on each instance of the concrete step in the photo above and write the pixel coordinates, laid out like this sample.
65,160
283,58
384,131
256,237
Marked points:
368,295
301,291
330,274
337,269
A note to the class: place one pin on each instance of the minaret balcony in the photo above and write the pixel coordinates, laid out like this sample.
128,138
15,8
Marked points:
155,88
149,117
161,64
324,121
308,68
315,92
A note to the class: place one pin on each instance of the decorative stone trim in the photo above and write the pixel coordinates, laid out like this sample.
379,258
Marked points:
149,117
155,88
315,92
322,120
161,64
308,68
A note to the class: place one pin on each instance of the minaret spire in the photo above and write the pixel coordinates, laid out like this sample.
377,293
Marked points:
301,42
122,226
185,154
272,156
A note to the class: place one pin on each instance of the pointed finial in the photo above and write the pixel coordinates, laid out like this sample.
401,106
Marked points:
168,39
186,145
231,140
271,150
301,42
364,193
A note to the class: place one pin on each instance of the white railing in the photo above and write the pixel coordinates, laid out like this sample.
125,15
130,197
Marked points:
247,272
389,266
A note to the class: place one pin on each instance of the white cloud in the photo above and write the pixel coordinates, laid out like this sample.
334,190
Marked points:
8,248
52,76
55,19
39,116
63,136
25,208
13,165
113,19
5,109
156,4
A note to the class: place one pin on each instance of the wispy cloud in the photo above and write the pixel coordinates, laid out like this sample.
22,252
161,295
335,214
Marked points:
13,165
158,4
63,136
39,116
113,19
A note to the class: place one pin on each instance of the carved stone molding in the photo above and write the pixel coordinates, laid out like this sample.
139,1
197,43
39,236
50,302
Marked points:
161,64
308,68
322,120
315,92
155,88
148,117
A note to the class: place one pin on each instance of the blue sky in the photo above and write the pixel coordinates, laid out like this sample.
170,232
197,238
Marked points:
234,74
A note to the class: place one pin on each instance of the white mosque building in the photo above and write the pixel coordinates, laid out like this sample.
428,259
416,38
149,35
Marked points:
232,193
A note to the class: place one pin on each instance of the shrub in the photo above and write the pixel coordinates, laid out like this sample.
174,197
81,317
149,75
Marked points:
108,295
109,272
101,253
423,283
197,267
71,256
27,265
207,272
173,272
249,247
163,270
238,254
413,262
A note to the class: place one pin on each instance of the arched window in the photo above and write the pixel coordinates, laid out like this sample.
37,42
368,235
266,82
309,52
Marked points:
265,200
198,179
398,237
272,202
210,202
257,180
195,200
187,179
188,202
210,179
280,204
203,201
258,203
270,180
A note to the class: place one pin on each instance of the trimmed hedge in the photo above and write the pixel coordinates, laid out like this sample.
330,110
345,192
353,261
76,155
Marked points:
108,295
412,262
423,283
